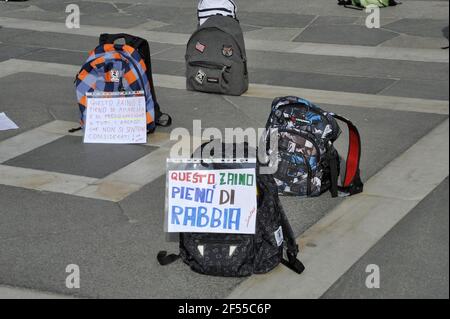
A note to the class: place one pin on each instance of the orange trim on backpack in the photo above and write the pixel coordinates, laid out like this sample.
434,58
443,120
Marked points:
149,118
117,56
98,61
142,63
83,101
130,77
82,75
128,49
108,47
108,77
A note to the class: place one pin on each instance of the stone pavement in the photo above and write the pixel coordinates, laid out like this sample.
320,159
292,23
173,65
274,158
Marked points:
62,202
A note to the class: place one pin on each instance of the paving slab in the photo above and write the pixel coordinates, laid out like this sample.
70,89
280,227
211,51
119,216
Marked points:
68,155
345,34
433,90
12,51
11,33
151,24
350,66
85,6
56,40
33,14
213,110
320,81
57,56
78,58
118,20
191,26
13,6
44,40
53,98
334,20
166,14
408,41
40,214
269,19
403,256
419,27
273,34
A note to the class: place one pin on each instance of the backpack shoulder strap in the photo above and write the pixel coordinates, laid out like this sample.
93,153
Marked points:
352,183
292,249
164,259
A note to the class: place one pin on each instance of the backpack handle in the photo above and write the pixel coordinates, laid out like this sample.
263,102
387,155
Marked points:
130,40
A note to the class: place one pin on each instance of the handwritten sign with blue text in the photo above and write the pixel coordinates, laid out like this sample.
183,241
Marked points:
212,201
116,120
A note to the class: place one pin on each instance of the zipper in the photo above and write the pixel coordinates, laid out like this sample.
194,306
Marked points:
309,110
218,241
215,66
210,65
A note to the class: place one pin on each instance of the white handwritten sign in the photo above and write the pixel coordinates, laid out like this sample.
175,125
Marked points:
212,201
116,120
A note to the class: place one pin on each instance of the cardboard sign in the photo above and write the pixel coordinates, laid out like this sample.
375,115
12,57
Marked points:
116,120
212,201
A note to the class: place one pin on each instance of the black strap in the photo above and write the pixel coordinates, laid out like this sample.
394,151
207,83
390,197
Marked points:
293,264
334,173
214,9
292,249
164,120
352,183
131,40
73,130
165,259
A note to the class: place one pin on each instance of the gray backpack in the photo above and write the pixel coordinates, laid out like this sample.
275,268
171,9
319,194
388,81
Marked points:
216,60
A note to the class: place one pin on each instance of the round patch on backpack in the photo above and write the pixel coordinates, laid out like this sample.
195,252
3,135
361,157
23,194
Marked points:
227,50
114,75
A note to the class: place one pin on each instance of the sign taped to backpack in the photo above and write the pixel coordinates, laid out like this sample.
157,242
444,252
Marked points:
113,68
213,201
238,255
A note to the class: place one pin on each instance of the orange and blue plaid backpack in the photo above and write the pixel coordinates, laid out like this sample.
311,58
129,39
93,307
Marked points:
113,67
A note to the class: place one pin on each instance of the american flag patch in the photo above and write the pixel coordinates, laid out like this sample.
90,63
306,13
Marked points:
200,47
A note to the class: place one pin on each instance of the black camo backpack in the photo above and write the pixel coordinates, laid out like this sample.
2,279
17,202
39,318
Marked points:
308,163
238,255
216,60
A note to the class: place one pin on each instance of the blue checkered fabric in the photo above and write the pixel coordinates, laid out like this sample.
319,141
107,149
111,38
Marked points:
114,68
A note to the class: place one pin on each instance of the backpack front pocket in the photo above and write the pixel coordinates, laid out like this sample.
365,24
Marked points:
298,158
220,254
208,77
